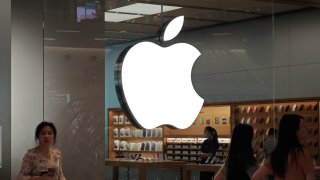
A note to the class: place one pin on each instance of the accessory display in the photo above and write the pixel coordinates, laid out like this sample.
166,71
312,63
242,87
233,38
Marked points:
294,107
262,120
287,108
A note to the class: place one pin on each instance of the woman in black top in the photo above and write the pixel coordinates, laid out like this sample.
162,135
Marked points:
240,163
208,150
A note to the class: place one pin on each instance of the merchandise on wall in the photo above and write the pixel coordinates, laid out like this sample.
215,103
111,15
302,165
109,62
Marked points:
185,144
263,116
189,149
127,141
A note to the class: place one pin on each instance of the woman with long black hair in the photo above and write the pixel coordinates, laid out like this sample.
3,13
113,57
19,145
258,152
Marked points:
289,160
208,150
240,163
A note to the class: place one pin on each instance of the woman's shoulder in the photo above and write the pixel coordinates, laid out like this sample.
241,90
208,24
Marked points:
305,154
56,151
306,150
32,151
251,169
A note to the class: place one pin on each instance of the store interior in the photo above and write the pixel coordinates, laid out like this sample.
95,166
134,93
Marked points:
259,60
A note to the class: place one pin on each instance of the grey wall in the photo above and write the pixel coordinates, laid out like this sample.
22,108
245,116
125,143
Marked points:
297,55
247,61
27,77
5,87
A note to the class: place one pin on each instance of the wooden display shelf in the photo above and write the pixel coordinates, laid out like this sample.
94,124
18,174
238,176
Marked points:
215,116
303,113
112,154
128,151
172,154
311,117
184,160
139,138
183,143
120,125
184,149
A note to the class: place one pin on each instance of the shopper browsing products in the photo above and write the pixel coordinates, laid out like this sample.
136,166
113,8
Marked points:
268,146
270,143
43,162
240,163
289,160
208,150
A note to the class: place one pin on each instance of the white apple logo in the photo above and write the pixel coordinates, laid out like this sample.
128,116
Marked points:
155,82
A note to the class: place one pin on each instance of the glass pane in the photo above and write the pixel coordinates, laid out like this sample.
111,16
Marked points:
295,68
242,45
74,83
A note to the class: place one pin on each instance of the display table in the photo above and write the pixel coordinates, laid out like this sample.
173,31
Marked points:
317,172
142,165
187,168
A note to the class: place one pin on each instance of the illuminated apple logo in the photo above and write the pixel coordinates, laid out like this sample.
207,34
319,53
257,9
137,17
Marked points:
154,83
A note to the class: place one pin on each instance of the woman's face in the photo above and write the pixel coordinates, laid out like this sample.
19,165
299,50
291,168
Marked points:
302,132
46,136
207,134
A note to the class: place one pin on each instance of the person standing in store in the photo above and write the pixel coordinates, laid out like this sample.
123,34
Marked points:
270,143
289,160
240,163
208,150
43,162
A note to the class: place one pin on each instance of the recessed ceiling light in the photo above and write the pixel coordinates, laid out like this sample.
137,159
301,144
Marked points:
67,31
118,17
144,9
220,34
100,39
49,39
114,39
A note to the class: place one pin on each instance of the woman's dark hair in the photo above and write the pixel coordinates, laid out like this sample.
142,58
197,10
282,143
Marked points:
44,124
213,133
240,156
288,144
272,132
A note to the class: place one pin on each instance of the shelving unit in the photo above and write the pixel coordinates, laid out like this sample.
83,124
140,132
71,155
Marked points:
125,140
215,116
186,147
191,151
192,137
263,116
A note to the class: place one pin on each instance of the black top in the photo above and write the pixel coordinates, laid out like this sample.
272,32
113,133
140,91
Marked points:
209,146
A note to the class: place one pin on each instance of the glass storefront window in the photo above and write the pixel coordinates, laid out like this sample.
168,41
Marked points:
258,61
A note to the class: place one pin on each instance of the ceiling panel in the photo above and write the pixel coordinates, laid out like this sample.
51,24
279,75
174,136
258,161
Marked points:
126,35
231,5
198,14
211,15
167,17
306,3
131,27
